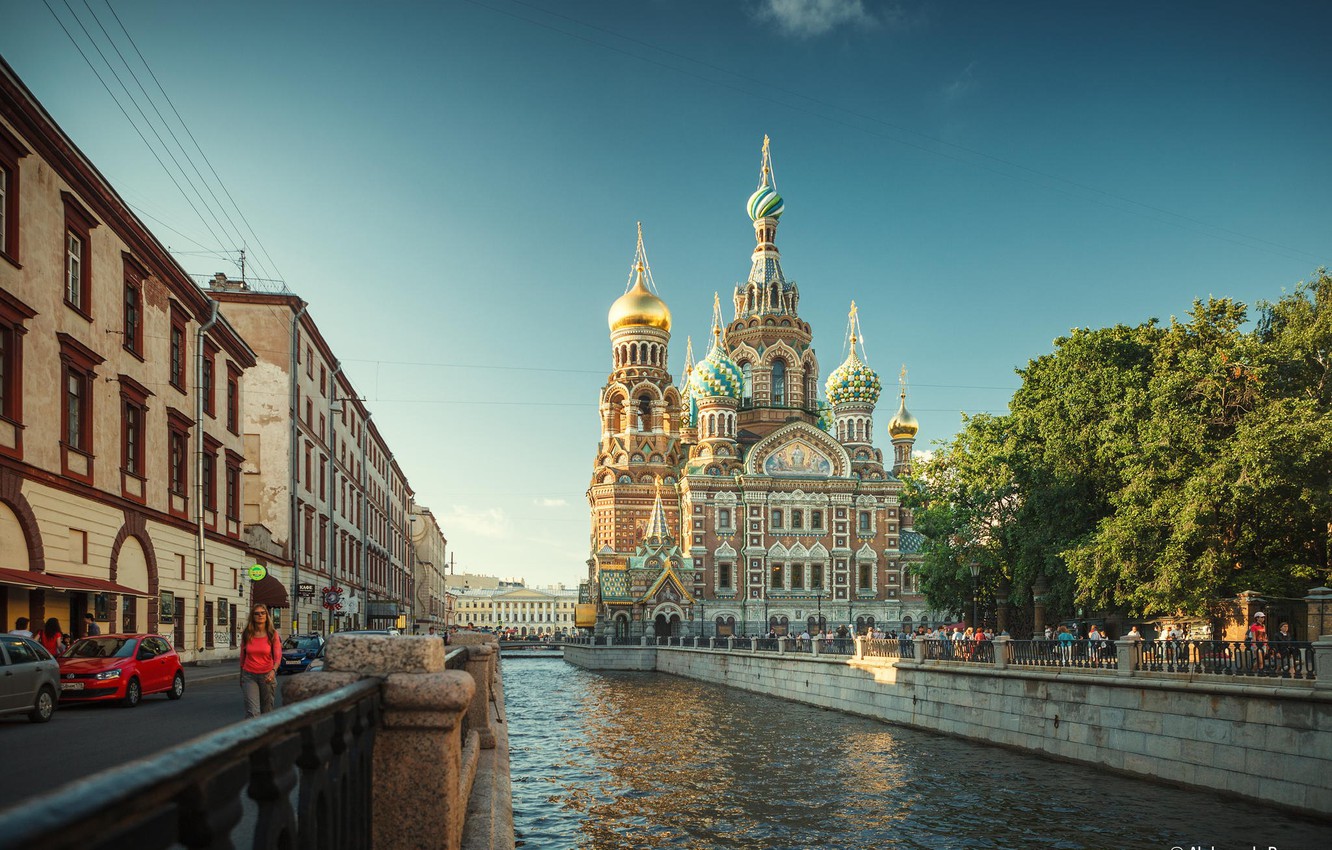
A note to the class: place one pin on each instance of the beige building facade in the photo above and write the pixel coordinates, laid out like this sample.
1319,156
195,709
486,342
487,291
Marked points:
320,478
121,388
527,611
431,601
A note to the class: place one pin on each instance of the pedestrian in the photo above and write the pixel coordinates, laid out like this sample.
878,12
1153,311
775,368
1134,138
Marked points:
90,628
260,656
50,636
1283,646
1049,633
1257,639
21,628
1065,639
1133,634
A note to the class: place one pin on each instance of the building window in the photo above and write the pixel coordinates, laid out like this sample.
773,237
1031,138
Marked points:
778,383
233,485
723,518
797,520
133,417
778,578
747,390
797,576
78,377
724,576
816,577
133,309
865,583
178,452
864,522
10,154
78,409
776,518
78,266
13,313
233,400
177,361
210,449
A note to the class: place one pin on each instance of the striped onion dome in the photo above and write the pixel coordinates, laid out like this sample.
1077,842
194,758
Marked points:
765,203
716,376
853,382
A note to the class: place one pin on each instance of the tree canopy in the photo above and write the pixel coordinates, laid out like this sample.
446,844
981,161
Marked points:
1147,470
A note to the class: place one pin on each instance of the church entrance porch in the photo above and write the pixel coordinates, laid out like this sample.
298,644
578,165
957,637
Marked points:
667,626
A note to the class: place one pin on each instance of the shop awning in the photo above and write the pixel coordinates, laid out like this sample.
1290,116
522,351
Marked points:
269,591
55,581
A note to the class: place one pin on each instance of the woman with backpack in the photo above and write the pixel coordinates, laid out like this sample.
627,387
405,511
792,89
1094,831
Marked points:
261,654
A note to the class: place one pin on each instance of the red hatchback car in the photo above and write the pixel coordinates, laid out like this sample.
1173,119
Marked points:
121,668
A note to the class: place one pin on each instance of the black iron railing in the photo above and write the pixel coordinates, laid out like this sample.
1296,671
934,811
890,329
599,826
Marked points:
625,641
744,643
1286,660
767,644
839,646
887,648
297,777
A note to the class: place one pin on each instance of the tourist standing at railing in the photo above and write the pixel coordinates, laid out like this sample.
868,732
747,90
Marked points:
1096,641
261,654
1066,640
1284,647
1257,639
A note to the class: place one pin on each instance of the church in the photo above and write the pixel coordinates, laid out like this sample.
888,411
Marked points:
738,502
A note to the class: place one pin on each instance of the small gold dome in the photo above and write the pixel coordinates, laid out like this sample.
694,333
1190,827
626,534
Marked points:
639,308
903,425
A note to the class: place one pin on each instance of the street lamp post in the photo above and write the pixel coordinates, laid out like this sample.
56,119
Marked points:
975,574
818,596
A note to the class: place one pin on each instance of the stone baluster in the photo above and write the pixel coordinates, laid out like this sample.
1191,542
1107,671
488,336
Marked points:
1000,643
815,644
730,644
1126,650
1322,651
481,666
860,647
781,644
417,775
918,647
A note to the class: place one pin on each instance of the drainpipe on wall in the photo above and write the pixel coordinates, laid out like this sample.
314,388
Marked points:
199,544
293,523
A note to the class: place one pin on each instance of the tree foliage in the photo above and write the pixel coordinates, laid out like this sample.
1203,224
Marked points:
1147,469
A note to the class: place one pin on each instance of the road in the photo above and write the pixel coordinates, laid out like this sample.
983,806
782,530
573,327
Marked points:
83,739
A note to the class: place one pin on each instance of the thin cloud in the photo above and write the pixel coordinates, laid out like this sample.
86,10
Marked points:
807,18
550,503
485,523
960,84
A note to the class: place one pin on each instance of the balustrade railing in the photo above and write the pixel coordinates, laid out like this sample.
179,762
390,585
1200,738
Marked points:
1054,653
887,648
766,644
1286,660
296,777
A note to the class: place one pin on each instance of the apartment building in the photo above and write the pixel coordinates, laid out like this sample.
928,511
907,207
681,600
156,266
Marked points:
121,390
431,603
321,483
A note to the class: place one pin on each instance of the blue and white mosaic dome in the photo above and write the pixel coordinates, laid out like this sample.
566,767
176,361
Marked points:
853,382
716,376
765,203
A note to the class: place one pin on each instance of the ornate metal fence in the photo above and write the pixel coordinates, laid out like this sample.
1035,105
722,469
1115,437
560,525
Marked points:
1286,660
297,777
887,648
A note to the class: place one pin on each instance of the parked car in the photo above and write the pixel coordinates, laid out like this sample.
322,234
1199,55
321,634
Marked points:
120,668
28,679
299,652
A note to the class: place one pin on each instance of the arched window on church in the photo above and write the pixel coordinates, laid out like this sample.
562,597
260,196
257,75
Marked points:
645,413
712,424
778,383
751,297
747,390
811,391
775,300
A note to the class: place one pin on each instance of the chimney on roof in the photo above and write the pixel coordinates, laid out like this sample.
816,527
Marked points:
220,282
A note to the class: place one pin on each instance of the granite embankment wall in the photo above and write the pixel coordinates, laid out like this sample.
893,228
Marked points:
1268,742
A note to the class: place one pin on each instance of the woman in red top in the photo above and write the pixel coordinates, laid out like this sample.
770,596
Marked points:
261,653
49,636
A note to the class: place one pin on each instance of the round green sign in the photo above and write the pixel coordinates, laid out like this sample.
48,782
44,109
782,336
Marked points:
257,572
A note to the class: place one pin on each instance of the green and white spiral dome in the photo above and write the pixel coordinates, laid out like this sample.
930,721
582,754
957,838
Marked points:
853,383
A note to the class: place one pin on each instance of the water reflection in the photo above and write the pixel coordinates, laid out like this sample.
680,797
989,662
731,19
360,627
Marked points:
643,760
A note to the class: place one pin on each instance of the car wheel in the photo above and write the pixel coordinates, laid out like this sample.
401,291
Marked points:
44,707
177,687
133,693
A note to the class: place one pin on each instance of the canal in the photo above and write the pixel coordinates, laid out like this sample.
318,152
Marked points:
641,760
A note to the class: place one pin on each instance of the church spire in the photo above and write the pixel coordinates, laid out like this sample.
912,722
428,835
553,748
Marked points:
656,525
766,290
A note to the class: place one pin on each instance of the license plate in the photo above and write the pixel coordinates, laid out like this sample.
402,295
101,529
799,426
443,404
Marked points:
71,686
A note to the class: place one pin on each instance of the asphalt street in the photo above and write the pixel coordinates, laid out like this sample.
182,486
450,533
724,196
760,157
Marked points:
84,739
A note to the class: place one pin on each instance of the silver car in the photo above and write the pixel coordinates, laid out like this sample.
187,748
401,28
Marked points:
28,678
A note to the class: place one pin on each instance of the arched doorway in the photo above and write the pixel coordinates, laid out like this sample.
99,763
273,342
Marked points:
779,625
725,626
622,626
666,625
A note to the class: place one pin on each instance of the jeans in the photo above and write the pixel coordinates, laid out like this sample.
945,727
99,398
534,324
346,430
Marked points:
258,693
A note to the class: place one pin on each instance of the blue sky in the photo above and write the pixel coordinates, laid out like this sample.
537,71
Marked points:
454,186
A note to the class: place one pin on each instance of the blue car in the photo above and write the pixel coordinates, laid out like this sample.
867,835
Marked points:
301,651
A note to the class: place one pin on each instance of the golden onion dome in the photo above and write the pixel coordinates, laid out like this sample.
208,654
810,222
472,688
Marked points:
639,308
903,425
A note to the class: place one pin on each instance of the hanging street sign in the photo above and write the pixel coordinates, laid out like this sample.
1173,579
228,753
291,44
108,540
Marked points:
332,598
257,572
